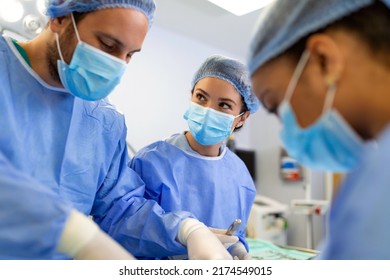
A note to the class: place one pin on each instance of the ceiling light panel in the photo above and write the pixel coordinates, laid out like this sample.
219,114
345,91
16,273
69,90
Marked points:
241,7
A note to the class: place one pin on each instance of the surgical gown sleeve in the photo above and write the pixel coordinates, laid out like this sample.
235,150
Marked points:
217,191
358,226
138,224
31,217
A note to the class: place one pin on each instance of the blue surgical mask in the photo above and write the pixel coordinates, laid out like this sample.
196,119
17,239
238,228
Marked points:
92,74
330,143
208,126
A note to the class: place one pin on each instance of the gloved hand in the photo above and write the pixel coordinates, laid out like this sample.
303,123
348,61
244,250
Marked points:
226,240
238,251
82,239
201,243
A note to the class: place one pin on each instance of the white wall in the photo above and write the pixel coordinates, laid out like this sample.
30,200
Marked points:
155,92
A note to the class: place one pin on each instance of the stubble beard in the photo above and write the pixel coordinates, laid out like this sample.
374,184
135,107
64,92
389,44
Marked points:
52,57
53,54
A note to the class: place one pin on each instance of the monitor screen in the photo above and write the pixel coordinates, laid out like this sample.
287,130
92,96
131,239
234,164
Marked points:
248,157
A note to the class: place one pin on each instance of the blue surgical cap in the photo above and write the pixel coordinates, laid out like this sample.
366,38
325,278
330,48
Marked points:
284,22
58,8
232,71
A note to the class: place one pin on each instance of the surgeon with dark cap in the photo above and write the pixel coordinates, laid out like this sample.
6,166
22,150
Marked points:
194,170
323,68
62,144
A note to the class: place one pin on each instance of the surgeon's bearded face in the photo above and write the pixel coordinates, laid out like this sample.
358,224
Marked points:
120,34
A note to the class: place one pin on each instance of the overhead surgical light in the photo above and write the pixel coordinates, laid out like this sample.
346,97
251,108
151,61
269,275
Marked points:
241,7
11,10
41,6
24,17
33,25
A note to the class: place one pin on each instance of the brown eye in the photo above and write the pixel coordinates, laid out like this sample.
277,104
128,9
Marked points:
200,97
225,106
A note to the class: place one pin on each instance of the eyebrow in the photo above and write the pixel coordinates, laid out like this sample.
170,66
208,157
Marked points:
228,99
204,92
116,41
220,99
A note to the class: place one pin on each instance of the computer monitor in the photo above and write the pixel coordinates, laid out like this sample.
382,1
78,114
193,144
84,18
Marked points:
249,158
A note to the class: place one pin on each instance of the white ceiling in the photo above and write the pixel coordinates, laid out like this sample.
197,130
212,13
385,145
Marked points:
198,19
208,23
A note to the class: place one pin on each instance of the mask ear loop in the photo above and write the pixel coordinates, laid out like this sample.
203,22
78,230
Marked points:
296,75
239,115
58,47
58,39
236,126
75,27
329,97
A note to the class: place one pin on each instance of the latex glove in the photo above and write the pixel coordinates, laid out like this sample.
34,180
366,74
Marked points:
238,251
226,240
201,243
82,239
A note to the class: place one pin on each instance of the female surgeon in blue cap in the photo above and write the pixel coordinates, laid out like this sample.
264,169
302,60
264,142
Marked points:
194,170
323,67
62,139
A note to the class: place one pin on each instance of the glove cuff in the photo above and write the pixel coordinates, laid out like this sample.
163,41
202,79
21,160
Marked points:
187,227
78,231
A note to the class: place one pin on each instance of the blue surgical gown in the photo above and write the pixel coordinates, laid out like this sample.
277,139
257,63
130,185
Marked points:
217,190
358,226
77,150
27,206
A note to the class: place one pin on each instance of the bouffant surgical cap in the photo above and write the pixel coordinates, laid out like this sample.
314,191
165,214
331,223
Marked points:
58,8
232,71
285,22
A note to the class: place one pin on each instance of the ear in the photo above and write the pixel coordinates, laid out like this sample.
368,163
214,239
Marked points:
60,23
243,119
325,51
